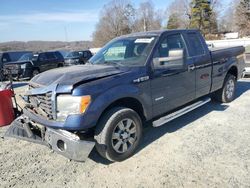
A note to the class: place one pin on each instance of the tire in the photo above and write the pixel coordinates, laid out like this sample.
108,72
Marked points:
227,93
118,134
35,72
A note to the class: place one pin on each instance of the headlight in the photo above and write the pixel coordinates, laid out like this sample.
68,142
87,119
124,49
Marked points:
23,66
69,105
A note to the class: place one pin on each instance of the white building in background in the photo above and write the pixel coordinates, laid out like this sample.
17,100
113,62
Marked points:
94,50
229,42
234,35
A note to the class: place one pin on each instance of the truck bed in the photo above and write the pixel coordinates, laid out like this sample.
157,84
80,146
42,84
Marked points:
218,53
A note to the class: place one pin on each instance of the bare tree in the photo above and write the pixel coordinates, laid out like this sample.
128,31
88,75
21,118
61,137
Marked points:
147,18
243,17
181,11
116,19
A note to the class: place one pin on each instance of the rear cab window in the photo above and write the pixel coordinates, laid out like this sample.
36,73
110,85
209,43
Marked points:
196,47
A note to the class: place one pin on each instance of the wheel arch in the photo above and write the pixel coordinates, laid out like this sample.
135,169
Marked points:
128,102
233,70
59,65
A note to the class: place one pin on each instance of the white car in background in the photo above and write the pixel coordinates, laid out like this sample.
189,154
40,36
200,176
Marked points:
247,68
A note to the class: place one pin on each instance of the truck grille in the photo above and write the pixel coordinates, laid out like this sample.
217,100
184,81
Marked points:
11,69
12,66
42,102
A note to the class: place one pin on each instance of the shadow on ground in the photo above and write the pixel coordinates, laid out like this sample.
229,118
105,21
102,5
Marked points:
151,134
242,87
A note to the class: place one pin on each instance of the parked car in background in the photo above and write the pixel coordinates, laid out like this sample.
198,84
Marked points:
31,64
77,57
247,68
6,57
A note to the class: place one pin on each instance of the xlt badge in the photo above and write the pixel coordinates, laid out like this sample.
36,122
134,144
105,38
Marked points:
141,79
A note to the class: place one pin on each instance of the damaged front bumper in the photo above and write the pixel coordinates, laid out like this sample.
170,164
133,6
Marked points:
61,141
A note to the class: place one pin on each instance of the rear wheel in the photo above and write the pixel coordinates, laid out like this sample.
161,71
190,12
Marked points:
227,93
118,134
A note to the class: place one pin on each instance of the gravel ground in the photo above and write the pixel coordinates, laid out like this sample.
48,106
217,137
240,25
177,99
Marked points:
209,147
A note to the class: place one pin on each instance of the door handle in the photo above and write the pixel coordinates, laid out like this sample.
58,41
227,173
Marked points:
191,67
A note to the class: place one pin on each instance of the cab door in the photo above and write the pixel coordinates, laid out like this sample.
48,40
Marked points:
173,81
201,57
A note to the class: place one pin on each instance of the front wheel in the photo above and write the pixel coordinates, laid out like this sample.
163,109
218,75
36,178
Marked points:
227,93
118,134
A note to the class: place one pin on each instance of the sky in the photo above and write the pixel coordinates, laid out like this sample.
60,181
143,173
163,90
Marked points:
55,20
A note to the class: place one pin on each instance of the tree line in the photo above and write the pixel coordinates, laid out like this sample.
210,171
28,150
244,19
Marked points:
120,17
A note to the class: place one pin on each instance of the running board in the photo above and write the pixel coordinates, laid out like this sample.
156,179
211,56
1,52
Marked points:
176,114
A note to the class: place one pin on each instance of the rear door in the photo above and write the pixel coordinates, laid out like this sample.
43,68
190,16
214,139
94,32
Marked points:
52,60
202,62
171,88
42,62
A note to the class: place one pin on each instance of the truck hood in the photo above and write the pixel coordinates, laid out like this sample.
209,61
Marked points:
17,62
69,76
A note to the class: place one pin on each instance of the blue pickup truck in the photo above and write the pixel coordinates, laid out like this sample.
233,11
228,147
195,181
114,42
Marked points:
153,77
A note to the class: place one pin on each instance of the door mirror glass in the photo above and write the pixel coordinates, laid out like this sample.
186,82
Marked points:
175,60
4,60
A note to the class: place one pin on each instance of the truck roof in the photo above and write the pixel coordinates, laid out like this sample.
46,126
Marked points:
157,32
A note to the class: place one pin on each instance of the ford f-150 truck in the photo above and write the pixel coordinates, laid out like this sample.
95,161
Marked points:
153,77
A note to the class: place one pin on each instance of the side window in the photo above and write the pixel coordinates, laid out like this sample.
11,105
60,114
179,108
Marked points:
81,54
85,54
169,43
42,57
6,58
196,47
50,56
170,53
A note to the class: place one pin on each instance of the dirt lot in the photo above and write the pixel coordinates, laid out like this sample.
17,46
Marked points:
209,147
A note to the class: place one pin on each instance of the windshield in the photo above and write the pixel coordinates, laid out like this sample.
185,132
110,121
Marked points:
131,51
73,54
26,57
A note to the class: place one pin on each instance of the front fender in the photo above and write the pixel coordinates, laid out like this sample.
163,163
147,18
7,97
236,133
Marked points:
101,102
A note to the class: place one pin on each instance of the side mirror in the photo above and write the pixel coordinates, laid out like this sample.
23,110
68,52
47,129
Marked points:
4,60
175,60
